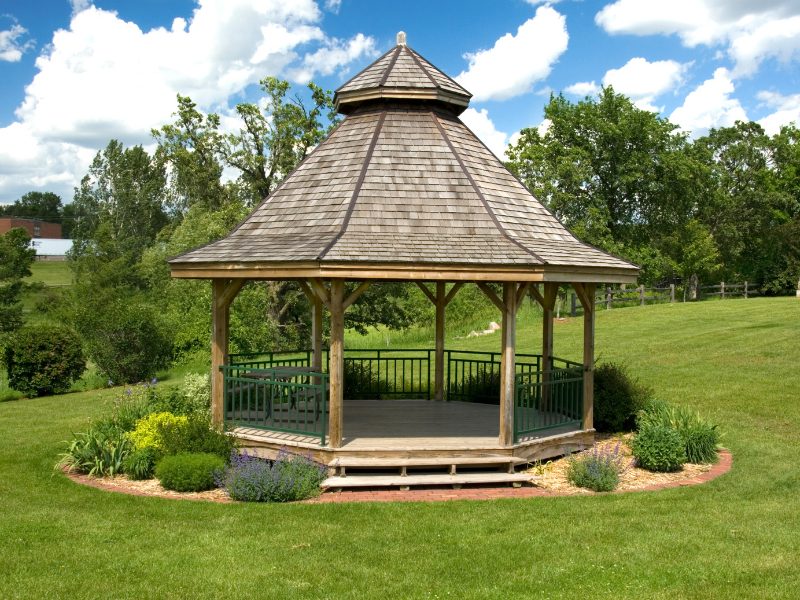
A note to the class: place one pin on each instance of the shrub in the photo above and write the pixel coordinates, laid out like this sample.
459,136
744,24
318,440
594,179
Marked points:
150,431
482,386
189,472
101,451
132,405
139,464
289,477
360,381
192,398
193,435
596,470
658,447
43,359
700,437
125,339
618,397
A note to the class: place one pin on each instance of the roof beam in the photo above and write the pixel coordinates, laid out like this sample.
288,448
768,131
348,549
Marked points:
356,293
491,295
426,291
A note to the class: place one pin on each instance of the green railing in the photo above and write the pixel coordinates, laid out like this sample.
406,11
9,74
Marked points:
276,398
266,390
395,373
473,376
548,399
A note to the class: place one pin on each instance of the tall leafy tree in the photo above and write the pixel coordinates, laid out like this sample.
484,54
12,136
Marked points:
16,258
618,176
45,206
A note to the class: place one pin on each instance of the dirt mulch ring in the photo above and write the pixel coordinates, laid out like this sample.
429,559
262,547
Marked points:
552,482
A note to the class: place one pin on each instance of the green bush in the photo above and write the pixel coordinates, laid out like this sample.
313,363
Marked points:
658,447
193,398
196,435
101,451
700,437
189,472
125,339
360,381
139,464
43,359
618,397
597,470
150,431
482,386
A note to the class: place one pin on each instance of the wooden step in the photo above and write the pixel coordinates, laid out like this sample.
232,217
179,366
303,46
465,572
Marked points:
430,461
404,482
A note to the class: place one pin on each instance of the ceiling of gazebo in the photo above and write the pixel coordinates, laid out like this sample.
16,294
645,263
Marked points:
401,186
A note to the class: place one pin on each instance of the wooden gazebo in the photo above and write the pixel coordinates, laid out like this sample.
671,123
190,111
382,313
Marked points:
402,190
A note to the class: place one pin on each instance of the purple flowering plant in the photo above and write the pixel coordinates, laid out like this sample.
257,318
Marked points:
288,478
598,469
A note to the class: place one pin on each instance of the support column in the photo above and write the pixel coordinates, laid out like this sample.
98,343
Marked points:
508,364
316,333
548,306
441,303
586,294
223,292
336,366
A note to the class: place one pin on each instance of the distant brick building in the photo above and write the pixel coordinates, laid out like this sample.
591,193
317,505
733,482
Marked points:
35,228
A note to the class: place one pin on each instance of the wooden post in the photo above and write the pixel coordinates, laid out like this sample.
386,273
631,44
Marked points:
722,290
694,284
745,290
549,297
586,294
336,366
438,386
316,333
608,297
641,295
671,293
507,364
223,292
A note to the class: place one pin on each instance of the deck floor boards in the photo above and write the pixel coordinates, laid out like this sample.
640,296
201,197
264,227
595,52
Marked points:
409,424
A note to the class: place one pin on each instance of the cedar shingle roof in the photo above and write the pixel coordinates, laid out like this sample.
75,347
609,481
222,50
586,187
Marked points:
402,180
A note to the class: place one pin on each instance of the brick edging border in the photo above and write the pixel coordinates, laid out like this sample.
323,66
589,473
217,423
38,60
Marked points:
722,466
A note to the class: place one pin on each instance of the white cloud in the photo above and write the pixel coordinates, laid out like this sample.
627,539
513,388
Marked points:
333,5
105,77
79,5
516,62
582,89
482,126
787,110
709,105
11,46
750,31
644,81
332,56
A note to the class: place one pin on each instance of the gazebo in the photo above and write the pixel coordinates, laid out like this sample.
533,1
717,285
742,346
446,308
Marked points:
402,190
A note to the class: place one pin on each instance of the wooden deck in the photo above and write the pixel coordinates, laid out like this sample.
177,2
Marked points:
409,428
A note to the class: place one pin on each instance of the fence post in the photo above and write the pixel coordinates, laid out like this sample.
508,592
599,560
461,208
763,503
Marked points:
641,295
722,289
745,290
608,297
671,293
573,309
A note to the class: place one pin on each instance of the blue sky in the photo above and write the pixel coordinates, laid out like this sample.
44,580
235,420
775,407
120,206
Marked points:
76,74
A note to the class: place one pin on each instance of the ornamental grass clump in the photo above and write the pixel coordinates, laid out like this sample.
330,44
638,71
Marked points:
288,478
700,437
597,470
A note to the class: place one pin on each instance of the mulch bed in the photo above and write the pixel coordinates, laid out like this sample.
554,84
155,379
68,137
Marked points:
552,482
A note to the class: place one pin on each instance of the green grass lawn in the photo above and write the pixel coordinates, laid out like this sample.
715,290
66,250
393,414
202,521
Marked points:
738,536
51,272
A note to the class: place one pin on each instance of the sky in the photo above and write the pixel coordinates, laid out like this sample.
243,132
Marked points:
78,73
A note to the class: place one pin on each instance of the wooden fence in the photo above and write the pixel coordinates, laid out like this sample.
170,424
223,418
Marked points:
639,296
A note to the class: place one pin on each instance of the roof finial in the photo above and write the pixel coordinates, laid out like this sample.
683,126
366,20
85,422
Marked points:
401,38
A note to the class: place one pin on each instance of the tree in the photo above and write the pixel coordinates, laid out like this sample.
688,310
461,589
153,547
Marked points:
275,139
118,209
189,147
45,206
617,176
16,258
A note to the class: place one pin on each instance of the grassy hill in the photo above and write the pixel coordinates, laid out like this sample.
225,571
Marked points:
48,272
737,361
